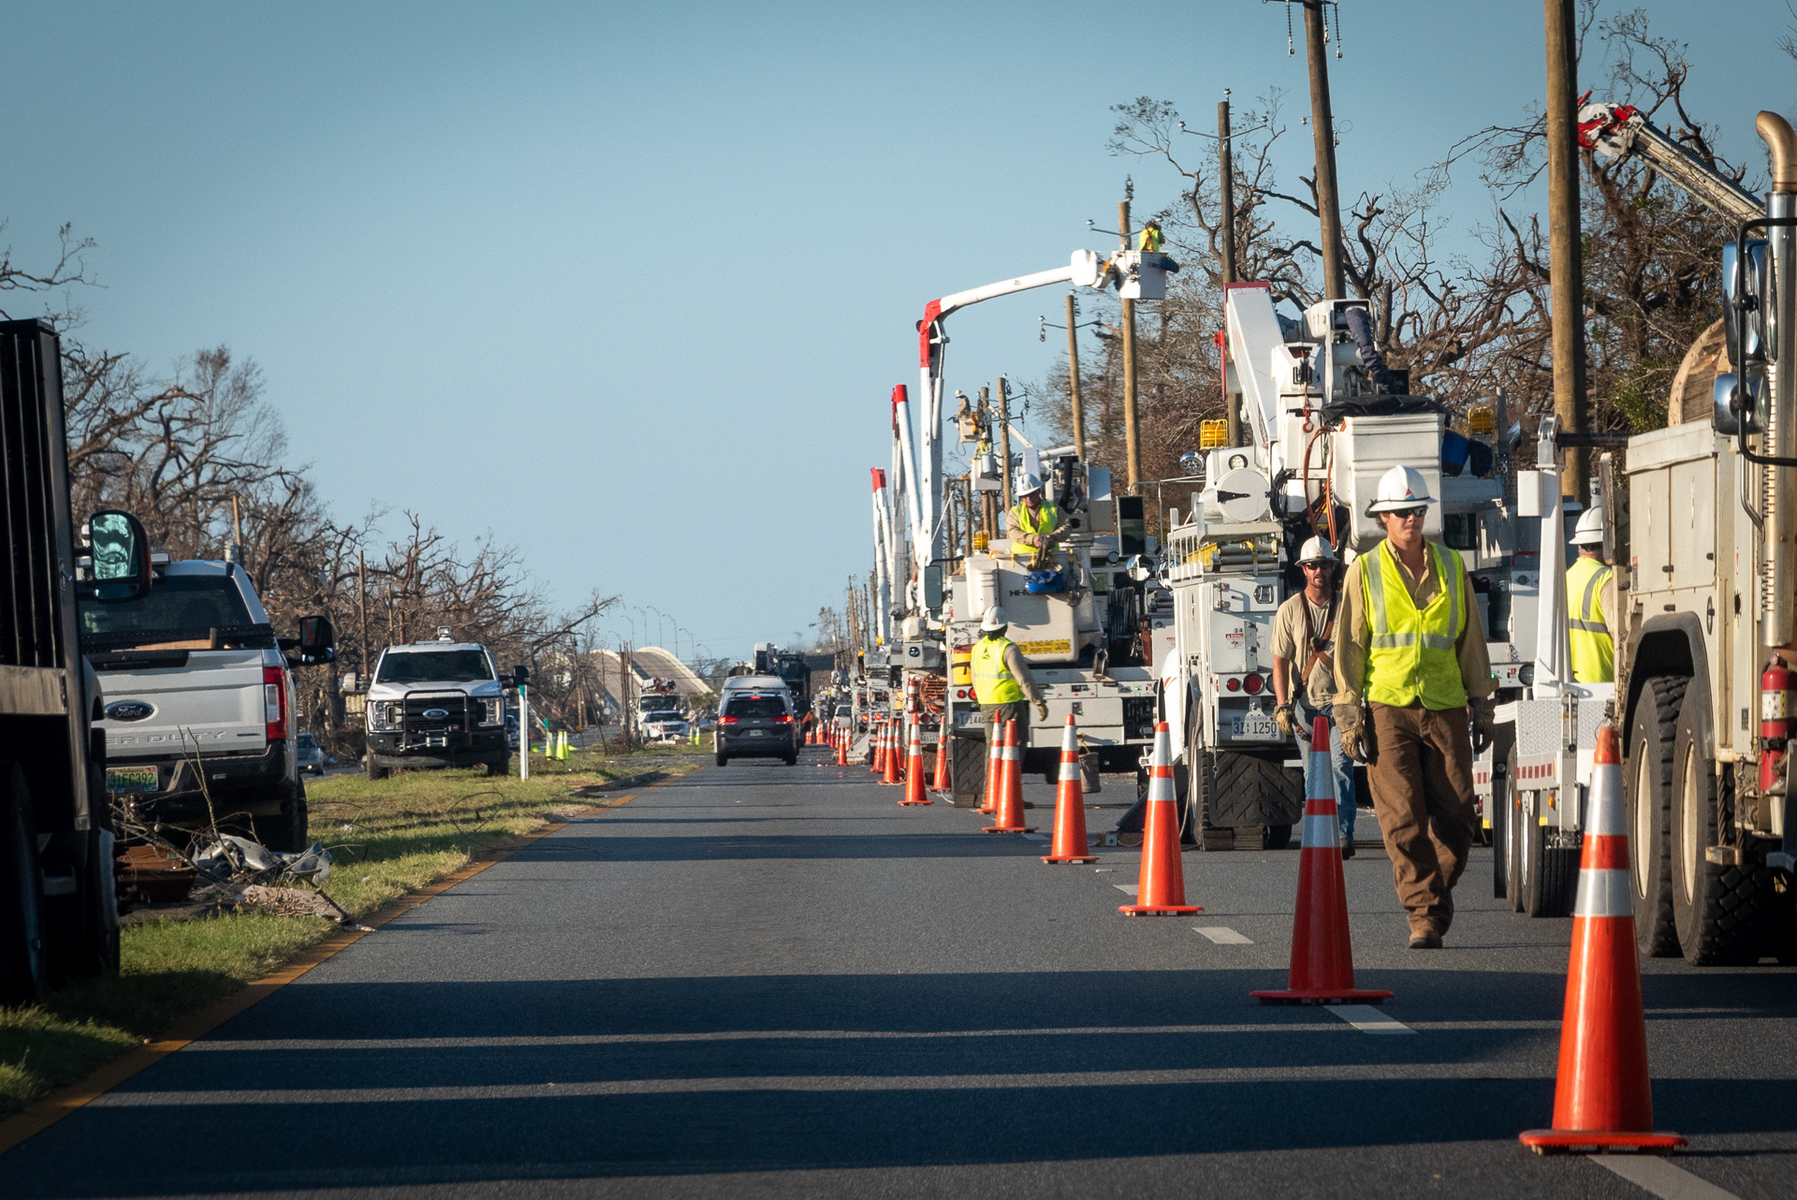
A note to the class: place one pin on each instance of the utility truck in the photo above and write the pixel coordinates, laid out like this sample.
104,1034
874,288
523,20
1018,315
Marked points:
1323,418
1701,532
59,915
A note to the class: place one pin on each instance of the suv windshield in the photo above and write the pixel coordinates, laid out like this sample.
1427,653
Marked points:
659,703
756,706
178,607
434,666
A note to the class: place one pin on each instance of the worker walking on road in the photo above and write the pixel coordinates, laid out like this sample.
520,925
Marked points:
1304,634
1410,650
1590,598
1002,682
1036,524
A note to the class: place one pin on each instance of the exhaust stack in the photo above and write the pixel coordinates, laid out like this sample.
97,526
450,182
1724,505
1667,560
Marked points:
1778,610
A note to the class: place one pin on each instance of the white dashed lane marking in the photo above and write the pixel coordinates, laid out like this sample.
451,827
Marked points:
1223,935
1367,1019
1125,887
1660,1177
1035,837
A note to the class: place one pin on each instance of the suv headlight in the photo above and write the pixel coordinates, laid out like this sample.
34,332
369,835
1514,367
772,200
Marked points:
386,716
493,711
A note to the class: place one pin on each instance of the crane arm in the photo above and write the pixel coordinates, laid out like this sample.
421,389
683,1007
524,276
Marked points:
1621,129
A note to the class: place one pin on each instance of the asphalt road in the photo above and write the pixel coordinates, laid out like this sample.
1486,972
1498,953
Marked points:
764,980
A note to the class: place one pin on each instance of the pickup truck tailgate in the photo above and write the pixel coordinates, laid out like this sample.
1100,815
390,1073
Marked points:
213,705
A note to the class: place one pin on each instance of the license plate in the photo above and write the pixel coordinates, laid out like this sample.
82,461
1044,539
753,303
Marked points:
130,779
1255,725
965,717
756,732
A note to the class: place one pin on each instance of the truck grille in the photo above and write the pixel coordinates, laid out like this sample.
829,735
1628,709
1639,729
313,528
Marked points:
431,719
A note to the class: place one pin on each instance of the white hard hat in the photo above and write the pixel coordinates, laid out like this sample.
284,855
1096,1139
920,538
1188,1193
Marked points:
1317,550
1400,488
995,618
1590,529
1028,482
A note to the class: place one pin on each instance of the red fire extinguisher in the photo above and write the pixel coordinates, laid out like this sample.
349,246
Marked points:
1778,718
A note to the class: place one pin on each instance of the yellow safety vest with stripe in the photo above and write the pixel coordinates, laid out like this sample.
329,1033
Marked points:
1412,655
993,682
1149,239
1044,522
1587,632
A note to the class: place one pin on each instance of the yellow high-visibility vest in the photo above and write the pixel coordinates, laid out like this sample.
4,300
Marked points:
1587,632
993,682
1148,239
1412,655
1044,522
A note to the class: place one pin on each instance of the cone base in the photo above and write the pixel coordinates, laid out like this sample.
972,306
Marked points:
1158,910
1581,1141
1067,858
1007,829
1323,996
902,803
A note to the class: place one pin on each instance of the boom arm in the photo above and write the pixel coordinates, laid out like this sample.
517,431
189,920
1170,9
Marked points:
1621,129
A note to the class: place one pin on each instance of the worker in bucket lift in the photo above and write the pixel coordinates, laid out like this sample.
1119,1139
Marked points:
1002,682
1410,668
1150,236
1036,525
1304,634
1590,598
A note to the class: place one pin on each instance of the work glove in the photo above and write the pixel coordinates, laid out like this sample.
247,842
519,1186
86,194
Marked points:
1347,719
1484,722
1042,709
1287,722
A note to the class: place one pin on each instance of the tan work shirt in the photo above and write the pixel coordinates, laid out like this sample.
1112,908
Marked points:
1020,671
1353,633
1290,644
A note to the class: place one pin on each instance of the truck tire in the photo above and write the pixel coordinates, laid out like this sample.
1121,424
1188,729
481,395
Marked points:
372,771
287,829
499,766
1648,795
1516,845
1553,878
1716,908
723,760
1503,762
1225,785
24,960
967,771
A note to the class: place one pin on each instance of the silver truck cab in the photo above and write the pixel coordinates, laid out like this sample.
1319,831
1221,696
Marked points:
435,705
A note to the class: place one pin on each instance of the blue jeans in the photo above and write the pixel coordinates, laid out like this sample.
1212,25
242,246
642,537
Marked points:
1345,803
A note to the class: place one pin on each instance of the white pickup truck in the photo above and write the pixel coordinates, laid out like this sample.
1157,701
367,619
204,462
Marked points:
198,694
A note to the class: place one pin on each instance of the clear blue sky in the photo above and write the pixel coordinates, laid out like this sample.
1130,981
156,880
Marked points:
628,285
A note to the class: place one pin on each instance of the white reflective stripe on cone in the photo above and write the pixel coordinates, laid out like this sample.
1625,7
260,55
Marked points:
1604,810
1320,833
1069,771
1605,893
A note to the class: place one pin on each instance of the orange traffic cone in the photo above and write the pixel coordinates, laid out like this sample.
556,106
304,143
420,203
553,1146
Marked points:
1322,970
1161,883
1069,845
842,749
892,772
995,767
1009,818
1603,1099
914,780
876,741
942,779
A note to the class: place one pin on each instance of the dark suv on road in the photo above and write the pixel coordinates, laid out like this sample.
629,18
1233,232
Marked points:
757,723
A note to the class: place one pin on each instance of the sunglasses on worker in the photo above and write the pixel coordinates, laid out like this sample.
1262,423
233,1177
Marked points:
1408,514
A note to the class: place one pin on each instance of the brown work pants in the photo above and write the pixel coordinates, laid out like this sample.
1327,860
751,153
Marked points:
1422,784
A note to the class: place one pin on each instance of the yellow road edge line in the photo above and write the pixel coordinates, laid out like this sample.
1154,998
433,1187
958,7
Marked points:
58,1103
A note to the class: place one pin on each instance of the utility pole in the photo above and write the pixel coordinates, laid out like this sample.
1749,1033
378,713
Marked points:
1567,272
1079,419
988,503
362,603
1226,182
1323,125
1004,441
1132,450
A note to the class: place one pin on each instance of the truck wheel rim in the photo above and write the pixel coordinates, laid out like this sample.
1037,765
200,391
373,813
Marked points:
1638,859
1687,822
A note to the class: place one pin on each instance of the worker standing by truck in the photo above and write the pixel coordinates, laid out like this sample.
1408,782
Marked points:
1035,523
1589,596
1408,649
1304,634
1002,682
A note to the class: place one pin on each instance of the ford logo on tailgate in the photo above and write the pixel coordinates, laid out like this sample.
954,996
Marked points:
129,710
435,714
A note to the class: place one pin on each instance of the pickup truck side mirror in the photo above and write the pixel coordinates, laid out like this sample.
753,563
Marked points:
316,643
120,558
520,676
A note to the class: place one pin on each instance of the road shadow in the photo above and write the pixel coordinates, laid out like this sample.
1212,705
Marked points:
440,1082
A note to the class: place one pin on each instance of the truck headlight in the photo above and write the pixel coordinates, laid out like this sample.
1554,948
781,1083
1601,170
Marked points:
493,711
385,716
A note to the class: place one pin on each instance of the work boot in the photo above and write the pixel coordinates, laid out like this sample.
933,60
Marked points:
1347,849
1425,941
